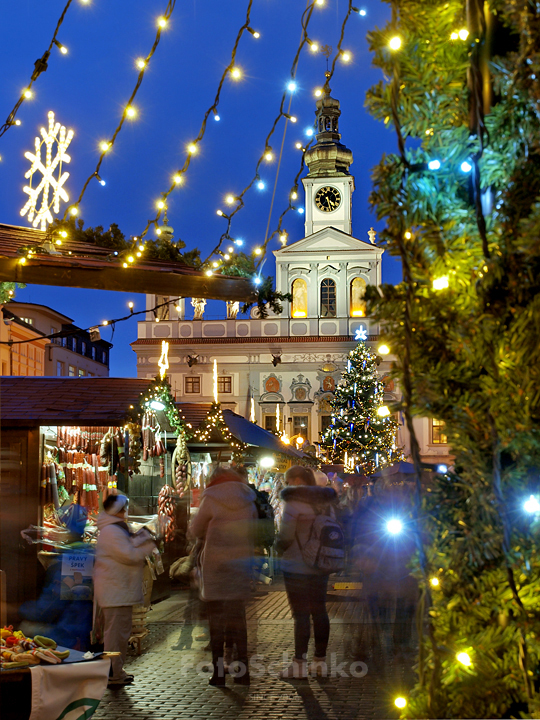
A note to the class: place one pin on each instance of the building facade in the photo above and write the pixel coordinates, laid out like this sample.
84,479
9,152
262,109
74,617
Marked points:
73,354
283,370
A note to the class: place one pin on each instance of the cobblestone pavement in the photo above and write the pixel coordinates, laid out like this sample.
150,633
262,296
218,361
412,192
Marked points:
370,663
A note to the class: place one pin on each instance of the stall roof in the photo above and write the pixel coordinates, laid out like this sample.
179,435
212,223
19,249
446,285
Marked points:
31,401
252,434
89,266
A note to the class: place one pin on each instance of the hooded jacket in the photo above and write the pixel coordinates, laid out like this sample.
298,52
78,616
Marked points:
118,570
301,505
225,523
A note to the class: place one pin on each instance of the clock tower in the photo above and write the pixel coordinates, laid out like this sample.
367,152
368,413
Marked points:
328,185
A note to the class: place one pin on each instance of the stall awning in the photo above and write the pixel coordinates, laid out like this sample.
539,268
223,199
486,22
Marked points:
251,434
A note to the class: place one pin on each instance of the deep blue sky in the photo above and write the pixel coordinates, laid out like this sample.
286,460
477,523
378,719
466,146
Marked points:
88,87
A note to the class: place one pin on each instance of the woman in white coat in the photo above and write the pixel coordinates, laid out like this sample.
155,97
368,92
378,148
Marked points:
118,574
225,524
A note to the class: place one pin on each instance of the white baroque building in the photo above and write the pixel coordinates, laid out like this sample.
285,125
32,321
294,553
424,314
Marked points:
293,360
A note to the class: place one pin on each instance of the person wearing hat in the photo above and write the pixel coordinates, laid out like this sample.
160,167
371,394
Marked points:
118,575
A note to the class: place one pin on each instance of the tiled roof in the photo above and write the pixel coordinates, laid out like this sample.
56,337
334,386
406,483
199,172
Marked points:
247,340
193,413
89,266
31,401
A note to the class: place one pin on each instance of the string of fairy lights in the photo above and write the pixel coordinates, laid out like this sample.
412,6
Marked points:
40,66
130,110
129,257
102,324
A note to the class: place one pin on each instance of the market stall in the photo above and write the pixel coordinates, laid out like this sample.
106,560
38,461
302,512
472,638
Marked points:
66,444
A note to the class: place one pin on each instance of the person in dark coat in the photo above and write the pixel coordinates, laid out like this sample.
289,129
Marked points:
306,587
225,525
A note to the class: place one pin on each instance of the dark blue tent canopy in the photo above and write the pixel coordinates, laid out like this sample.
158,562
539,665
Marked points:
251,434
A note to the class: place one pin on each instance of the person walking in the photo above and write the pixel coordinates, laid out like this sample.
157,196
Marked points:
306,586
225,524
118,576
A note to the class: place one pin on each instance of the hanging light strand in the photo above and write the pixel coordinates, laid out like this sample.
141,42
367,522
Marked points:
129,110
40,66
178,175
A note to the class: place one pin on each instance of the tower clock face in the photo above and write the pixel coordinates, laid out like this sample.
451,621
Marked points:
328,198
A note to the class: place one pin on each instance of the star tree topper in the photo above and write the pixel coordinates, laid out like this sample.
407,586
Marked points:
48,167
361,333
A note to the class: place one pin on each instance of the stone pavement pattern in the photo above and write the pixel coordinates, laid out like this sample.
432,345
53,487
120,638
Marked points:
168,683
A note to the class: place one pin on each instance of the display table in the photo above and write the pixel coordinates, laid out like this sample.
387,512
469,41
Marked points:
73,688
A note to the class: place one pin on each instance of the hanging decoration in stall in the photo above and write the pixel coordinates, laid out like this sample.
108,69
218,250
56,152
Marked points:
181,471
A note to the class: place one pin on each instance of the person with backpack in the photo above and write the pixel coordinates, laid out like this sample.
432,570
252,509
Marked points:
312,544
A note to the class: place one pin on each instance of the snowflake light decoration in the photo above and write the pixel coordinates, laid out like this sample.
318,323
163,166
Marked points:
55,134
361,333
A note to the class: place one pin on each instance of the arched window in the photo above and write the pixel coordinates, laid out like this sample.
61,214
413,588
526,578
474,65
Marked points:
358,292
299,298
328,298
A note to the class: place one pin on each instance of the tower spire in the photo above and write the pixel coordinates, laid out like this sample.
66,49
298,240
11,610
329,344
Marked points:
328,157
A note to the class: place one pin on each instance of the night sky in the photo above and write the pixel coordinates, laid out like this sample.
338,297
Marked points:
88,87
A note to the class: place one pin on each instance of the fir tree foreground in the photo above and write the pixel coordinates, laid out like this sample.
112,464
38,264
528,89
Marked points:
461,204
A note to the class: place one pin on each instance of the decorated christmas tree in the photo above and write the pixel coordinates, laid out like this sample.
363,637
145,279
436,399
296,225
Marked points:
362,434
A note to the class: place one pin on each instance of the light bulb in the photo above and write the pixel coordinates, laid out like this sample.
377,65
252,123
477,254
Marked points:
346,56
162,22
294,195
192,148
301,210
531,505
177,179
383,350
219,212
466,167
400,702
463,34
440,283
17,122
63,233
268,156
408,235
314,47
131,112
394,526
454,36
395,42
435,581
130,305
230,199
131,259
160,204
318,92
434,164
104,146
227,256
28,94
215,264
261,185
230,249
383,411
158,231
257,251
362,12
141,63
105,322
293,118
74,211
464,658
209,273
292,86
309,132
239,242
236,73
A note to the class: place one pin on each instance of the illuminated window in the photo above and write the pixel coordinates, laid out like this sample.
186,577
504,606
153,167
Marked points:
299,298
72,371
192,385
438,432
81,372
270,423
328,298
301,425
358,292
224,384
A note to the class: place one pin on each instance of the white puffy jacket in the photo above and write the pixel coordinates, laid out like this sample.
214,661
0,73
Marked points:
118,569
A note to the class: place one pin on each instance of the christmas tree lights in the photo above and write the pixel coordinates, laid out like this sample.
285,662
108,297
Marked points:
362,433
